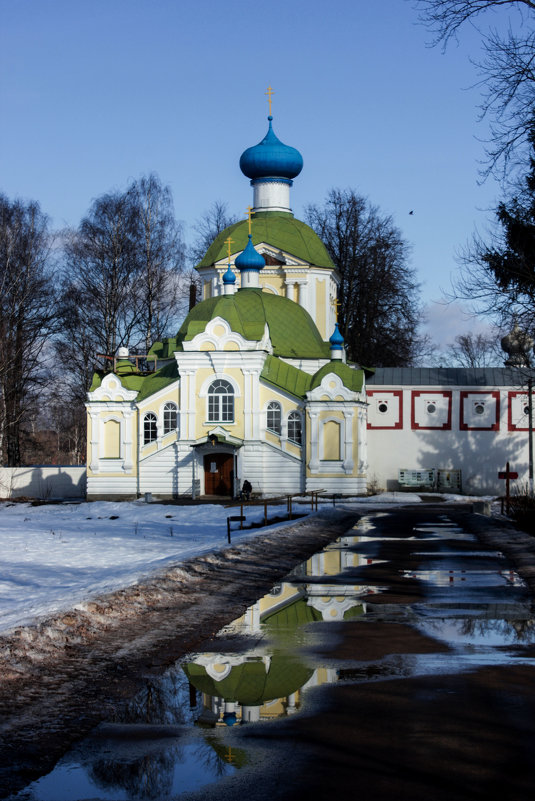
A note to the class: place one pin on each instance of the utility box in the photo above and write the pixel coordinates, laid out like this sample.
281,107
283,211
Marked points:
449,480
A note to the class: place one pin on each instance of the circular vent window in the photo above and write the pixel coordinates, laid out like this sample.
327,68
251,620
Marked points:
383,407
479,409
431,408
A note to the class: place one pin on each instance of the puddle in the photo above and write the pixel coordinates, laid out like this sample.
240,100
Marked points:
176,735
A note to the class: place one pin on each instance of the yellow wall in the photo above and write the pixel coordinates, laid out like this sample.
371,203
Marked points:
331,440
112,439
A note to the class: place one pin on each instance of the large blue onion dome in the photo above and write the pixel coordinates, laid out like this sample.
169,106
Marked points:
250,258
270,158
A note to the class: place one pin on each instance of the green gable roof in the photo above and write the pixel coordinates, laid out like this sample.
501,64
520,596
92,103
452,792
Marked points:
292,330
351,378
277,228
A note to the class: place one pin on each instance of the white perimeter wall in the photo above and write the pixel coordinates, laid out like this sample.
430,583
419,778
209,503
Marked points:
43,482
478,454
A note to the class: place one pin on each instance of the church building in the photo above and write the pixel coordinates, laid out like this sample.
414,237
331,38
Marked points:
255,385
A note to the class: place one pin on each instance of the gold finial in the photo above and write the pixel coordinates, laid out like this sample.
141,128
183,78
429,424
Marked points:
228,242
269,93
249,214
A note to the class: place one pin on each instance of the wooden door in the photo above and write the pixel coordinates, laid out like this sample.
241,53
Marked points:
219,474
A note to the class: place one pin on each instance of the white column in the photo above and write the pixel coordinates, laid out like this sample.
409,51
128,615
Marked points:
127,440
349,461
362,441
187,403
314,463
94,458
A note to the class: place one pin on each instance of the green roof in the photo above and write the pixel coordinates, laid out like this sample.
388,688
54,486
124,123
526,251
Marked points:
250,684
351,378
292,330
277,228
145,385
286,377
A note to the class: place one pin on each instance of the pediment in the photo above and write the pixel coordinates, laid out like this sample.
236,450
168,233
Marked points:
111,389
332,388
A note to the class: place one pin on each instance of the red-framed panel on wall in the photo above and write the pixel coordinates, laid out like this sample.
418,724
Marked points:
517,411
385,409
479,411
431,411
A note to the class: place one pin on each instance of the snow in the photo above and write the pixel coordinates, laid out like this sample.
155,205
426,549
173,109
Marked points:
55,556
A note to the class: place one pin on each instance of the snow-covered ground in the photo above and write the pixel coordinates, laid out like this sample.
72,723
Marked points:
55,556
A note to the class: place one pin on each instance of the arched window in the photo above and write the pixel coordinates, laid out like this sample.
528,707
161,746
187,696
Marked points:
274,417
294,427
221,402
169,418
150,428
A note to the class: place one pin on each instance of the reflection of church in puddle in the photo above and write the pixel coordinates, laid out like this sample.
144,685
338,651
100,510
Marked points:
268,681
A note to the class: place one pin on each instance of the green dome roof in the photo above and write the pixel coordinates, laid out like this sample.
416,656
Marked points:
292,330
277,228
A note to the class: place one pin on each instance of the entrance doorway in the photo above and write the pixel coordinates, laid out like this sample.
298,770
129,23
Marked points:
219,474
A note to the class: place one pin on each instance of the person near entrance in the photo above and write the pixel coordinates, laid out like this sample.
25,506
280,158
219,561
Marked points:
246,490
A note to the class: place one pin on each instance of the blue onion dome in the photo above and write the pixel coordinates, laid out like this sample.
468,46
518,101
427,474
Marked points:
336,340
250,258
270,158
229,277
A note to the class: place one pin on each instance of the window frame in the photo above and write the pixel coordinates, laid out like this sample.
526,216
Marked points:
220,405
295,422
150,428
274,408
170,408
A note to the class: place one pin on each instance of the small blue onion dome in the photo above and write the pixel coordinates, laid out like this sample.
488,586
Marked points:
270,158
250,258
336,341
229,277
230,718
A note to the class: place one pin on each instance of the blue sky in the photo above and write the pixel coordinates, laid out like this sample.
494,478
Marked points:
96,94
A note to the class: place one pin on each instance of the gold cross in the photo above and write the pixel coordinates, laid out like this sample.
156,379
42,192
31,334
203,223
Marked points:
230,756
249,214
228,241
336,304
269,93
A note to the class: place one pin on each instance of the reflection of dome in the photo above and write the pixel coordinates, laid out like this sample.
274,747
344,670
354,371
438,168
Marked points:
249,684
271,158
279,229
292,330
229,718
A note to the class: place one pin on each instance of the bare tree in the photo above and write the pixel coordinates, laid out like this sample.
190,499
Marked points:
506,69
379,313
160,257
473,350
212,222
28,316
123,280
